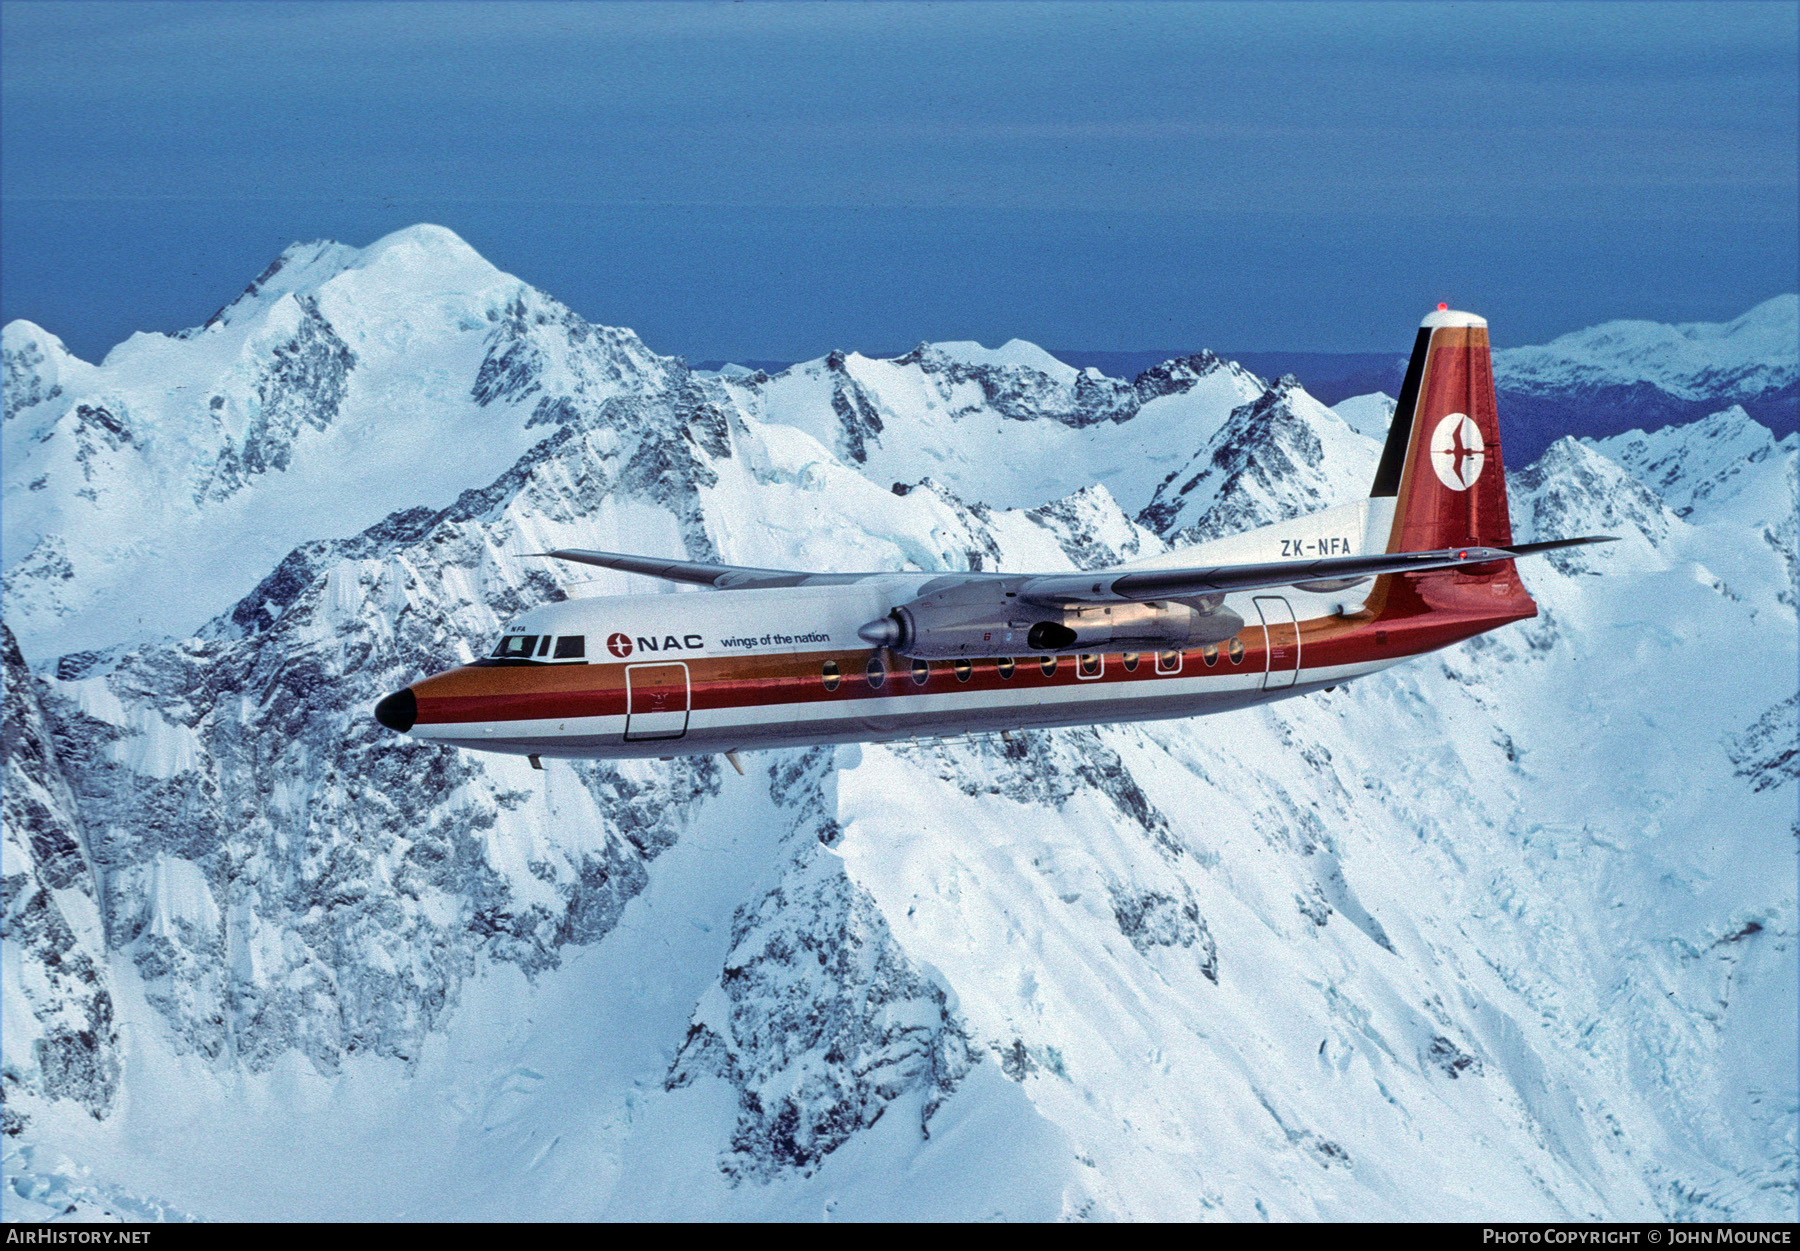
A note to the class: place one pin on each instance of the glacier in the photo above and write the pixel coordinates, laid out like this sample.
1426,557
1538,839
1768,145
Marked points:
1504,933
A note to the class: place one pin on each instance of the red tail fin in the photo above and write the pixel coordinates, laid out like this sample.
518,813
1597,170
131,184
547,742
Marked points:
1442,459
1441,467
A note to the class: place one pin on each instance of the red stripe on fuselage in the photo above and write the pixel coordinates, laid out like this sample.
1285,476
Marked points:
1404,617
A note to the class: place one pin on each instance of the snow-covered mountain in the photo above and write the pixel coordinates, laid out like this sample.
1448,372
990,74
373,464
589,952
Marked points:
1506,932
148,493
1610,378
1283,455
973,419
1747,357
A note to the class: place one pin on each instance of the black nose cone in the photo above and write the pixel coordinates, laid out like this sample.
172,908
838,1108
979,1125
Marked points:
398,711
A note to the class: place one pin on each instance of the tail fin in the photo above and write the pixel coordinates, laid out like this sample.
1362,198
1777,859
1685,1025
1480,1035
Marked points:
1441,476
1441,465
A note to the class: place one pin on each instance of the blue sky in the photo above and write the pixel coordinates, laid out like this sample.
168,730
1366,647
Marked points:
772,180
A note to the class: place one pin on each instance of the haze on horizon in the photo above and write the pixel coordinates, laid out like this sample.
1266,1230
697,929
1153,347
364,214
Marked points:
770,181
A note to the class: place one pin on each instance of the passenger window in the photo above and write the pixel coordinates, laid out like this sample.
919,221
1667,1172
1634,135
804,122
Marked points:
1236,649
1004,667
571,647
1129,660
921,672
832,675
877,673
964,670
1209,652
544,647
1168,662
1048,665
1088,664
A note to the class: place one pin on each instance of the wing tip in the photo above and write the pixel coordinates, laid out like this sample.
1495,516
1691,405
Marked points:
1551,545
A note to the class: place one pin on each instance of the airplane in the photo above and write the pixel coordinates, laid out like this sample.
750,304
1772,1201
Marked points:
779,658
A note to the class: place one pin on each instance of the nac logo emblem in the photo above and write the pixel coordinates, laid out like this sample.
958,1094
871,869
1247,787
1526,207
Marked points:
619,645
1457,452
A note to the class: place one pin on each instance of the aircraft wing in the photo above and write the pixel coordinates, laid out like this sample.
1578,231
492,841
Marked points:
1216,579
703,573
1092,587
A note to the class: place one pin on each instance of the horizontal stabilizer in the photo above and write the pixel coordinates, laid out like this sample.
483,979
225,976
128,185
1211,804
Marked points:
1551,545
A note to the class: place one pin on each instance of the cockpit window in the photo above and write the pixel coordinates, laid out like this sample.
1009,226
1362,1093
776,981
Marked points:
544,647
571,647
516,647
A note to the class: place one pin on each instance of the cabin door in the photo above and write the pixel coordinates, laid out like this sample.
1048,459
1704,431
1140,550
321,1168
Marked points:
656,701
1281,639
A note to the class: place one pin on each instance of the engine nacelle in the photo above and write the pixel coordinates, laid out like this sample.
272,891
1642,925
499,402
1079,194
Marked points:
988,618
